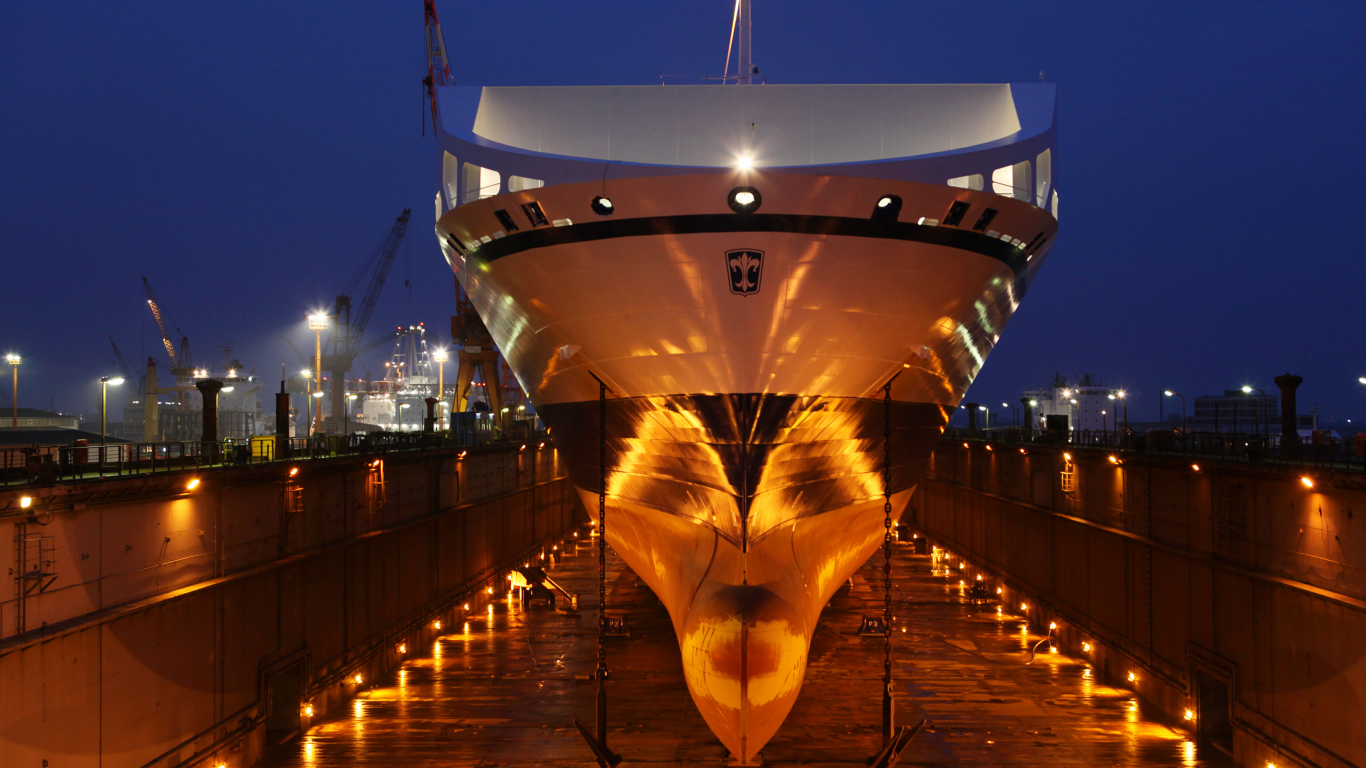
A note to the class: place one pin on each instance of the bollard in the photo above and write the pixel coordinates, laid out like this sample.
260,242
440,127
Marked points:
972,418
281,423
429,423
208,391
1290,435
1028,411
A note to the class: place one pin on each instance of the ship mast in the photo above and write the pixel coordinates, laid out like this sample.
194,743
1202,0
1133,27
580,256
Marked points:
746,51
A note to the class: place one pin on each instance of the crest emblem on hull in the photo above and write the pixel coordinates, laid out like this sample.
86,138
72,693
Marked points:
745,267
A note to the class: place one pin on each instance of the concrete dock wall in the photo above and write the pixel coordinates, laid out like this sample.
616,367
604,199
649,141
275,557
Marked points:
1235,591
151,624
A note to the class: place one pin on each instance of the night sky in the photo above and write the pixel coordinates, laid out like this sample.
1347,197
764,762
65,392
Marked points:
246,157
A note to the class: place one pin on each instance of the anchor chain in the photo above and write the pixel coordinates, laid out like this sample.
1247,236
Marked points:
602,563
887,564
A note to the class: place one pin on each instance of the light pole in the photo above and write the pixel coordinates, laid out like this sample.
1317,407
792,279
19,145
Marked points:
1170,393
105,381
441,356
314,409
1014,414
346,427
986,422
401,406
14,360
317,322
1266,426
1124,403
308,404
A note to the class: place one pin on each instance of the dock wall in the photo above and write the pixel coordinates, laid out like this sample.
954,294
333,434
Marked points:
153,624
1234,591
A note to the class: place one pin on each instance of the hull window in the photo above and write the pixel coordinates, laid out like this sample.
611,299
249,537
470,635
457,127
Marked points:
1012,181
522,183
450,179
1044,176
956,213
967,182
480,183
534,214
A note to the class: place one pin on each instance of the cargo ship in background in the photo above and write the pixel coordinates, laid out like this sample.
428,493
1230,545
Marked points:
743,268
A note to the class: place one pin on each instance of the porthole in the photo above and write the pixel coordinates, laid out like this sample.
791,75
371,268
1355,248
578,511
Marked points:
887,208
744,200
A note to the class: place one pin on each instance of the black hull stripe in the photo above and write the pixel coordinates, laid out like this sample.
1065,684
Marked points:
951,237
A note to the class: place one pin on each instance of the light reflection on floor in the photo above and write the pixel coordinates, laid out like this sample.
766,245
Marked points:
502,684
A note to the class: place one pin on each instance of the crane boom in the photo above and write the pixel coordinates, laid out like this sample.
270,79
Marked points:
438,68
161,323
386,260
123,364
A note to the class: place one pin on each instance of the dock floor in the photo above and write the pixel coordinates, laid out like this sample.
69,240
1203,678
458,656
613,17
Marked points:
502,689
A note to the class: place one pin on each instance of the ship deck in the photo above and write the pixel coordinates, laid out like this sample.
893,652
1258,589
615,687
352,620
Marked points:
504,690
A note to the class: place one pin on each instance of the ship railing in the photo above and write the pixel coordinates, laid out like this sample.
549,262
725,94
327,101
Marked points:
51,464
1321,449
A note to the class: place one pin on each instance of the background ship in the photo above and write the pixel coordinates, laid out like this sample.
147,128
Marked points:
742,269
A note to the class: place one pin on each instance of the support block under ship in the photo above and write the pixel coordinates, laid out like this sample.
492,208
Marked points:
745,268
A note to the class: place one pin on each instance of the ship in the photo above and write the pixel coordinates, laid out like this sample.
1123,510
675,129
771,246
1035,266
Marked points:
745,312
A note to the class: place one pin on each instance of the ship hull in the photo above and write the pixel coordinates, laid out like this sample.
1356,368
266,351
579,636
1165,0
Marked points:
768,383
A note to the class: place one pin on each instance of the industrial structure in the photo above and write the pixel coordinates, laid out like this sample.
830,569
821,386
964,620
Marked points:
1083,405
344,342
154,411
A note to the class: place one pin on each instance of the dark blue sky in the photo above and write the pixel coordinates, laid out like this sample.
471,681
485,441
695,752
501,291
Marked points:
246,157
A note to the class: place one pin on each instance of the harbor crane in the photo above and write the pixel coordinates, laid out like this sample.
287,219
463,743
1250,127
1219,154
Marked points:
123,366
181,364
438,68
344,341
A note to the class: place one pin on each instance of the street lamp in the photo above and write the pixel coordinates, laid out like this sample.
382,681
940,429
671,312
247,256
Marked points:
317,322
1266,426
15,360
1170,393
401,406
1014,415
346,427
441,356
986,422
105,382
1124,403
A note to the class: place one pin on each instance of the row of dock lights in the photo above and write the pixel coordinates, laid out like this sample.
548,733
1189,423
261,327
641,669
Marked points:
1132,676
1087,647
1305,480
401,647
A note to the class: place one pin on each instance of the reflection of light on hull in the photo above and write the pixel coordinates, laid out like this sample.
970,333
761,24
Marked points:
745,419
744,619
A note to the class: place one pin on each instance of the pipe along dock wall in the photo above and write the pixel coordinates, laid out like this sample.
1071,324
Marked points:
1234,591
163,626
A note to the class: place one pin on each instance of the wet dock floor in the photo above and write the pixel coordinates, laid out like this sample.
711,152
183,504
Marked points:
502,689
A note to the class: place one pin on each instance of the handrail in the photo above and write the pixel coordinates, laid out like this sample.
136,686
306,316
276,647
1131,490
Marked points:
1235,447
50,464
